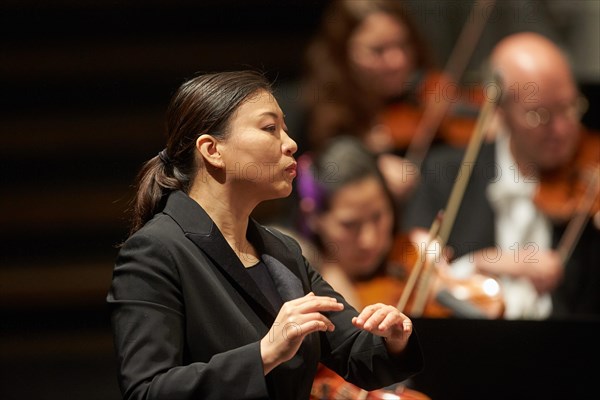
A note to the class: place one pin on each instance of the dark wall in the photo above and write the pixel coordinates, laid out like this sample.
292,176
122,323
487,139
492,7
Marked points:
84,86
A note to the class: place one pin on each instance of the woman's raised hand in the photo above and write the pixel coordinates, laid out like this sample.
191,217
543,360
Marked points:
386,321
296,319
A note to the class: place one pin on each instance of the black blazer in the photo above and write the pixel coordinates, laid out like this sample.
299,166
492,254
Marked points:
188,320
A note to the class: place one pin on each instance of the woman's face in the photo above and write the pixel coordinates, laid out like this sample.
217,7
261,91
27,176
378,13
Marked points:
382,55
258,152
357,229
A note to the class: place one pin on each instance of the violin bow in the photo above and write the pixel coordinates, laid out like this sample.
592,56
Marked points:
456,195
420,263
457,62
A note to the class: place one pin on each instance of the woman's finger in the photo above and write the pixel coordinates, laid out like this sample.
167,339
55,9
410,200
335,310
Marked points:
306,318
392,318
320,304
366,313
372,323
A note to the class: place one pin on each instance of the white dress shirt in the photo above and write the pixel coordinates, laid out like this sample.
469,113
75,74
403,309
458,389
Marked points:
520,229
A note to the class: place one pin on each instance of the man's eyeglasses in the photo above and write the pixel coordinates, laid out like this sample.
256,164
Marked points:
542,116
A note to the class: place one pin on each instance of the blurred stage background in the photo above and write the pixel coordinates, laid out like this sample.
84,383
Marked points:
84,86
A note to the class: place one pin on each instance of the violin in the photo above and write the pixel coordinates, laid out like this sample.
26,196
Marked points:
459,294
560,191
478,296
572,193
328,385
408,123
415,128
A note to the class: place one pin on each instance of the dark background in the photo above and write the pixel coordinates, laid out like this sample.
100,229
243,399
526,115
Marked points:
83,89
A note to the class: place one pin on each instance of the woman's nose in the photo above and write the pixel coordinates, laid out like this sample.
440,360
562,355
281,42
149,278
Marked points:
368,235
395,57
289,146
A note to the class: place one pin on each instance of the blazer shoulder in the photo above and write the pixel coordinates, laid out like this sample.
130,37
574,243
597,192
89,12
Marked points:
162,227
160,234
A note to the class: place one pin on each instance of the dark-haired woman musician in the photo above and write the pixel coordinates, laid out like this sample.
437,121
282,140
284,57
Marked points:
366,56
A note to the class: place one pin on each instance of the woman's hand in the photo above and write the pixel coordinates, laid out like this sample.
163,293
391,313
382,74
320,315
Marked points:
296,319
388,322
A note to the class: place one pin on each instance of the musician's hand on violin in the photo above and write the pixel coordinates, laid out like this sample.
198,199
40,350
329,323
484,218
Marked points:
545,272
386,321
296,319
438,255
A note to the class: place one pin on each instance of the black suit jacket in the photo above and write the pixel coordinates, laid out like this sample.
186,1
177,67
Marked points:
188,320
474,227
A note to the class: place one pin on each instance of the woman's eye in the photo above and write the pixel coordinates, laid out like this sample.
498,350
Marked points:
351,225
377,50
270,128
376,217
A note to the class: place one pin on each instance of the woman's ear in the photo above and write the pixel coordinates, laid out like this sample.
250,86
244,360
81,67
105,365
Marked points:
206,145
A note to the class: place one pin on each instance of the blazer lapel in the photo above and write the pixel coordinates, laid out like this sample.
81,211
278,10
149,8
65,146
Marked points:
205,234
217,248
288,285
282,266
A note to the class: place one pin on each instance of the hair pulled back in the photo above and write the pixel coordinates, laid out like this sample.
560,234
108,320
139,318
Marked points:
202,105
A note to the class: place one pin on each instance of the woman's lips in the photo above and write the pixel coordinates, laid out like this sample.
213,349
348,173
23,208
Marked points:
292,169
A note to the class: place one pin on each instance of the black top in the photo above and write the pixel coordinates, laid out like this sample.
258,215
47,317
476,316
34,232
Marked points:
261,276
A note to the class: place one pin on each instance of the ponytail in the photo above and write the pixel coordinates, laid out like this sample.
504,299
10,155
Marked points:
157,178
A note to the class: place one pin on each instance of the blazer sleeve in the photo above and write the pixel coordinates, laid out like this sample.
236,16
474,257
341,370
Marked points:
147,314
359,356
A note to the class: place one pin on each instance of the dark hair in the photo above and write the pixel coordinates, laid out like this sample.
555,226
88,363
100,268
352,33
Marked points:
202,105
343,161
347,107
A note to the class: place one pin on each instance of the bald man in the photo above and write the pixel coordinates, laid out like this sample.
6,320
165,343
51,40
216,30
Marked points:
498,229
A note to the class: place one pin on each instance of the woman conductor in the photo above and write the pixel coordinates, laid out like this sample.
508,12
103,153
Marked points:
208,304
